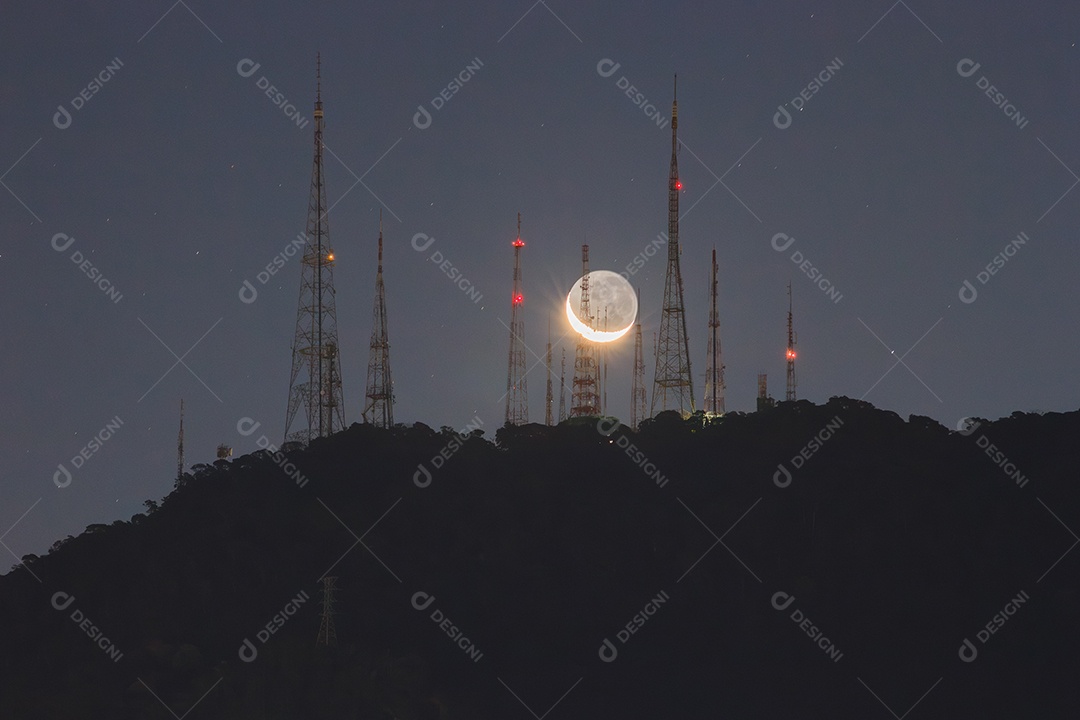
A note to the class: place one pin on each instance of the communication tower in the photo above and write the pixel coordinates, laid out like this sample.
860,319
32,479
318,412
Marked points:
180,444
517,401
637,391
549,400
763,399
562,388
584,400
379,410
714,367
791,340
327,630
315,378
673,383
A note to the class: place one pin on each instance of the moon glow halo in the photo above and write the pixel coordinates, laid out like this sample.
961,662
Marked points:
607,290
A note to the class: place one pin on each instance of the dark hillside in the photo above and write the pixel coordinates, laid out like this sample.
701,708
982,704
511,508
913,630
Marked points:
895,540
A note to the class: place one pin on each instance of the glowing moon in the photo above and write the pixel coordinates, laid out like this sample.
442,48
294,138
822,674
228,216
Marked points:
608,291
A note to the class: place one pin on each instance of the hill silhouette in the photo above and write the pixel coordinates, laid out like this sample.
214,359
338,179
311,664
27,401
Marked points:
814,561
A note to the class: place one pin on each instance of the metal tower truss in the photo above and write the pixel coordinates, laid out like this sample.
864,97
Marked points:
549,399
637,390
327,636
180,444
517,400
379,406
673,383
315,378
789,394
714,366
584,397
562,388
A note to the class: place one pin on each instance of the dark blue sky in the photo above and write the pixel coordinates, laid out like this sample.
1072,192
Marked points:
179,178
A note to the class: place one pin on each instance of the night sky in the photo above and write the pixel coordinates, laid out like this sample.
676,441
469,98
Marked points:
899,179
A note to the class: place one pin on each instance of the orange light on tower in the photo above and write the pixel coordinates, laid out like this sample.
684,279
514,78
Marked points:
790,394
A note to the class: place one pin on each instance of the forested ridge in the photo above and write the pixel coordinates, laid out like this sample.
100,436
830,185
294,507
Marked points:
894,539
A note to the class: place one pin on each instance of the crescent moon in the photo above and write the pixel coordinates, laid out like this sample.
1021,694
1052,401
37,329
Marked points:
600,336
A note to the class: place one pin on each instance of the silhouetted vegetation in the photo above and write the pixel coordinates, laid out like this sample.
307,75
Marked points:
898,539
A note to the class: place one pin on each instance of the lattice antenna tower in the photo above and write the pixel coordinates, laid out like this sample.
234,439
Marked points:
584,400
637,390
517,400
714,366
327,629
549,400
673,382
604,355
315,378
763,399
791,340
180,444
562,388
379,407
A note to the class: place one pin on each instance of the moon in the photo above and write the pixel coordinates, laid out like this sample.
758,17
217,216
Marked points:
608,291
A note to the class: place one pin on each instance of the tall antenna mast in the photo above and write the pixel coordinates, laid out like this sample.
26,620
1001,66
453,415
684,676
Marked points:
584,400
673,383
180,444
604,355
379,410
327,630
517,401
549,399
637,390
315,378
562,388
790,395
714,367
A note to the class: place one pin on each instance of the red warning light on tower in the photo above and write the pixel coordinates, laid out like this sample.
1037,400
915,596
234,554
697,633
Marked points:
678,184
790,354
519,243
518,299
